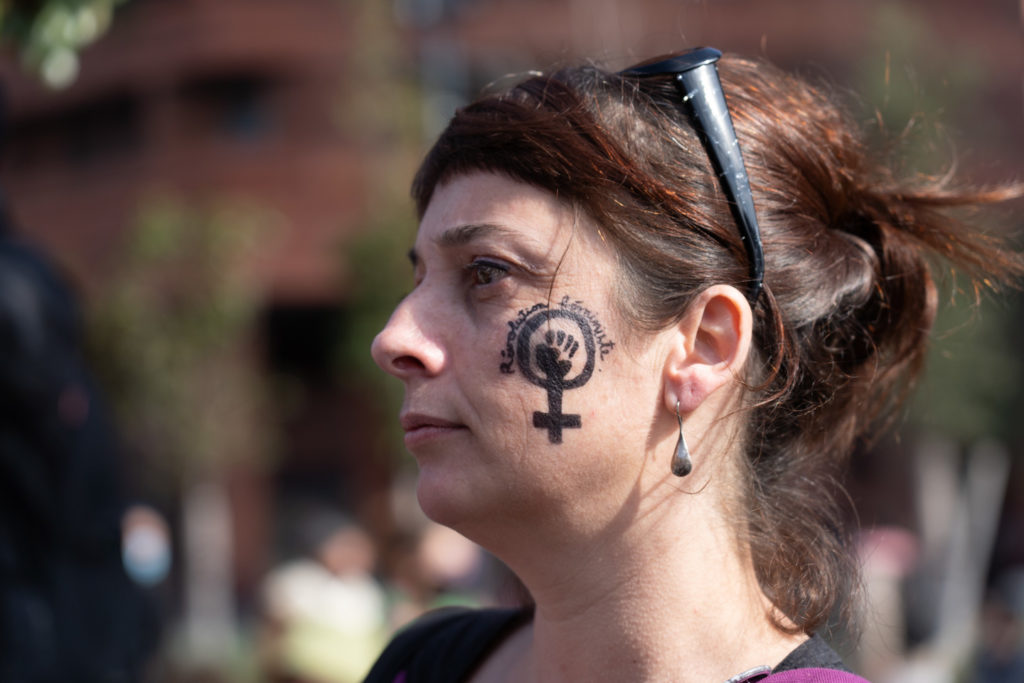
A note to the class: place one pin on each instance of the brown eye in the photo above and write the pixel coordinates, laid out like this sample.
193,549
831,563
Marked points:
486,272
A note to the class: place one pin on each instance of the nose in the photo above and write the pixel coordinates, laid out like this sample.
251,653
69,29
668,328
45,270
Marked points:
403,348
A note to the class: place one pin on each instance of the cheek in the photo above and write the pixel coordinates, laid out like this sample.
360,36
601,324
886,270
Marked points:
549,357
503,406
496,394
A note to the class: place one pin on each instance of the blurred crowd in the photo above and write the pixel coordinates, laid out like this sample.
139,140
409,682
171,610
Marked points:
327,614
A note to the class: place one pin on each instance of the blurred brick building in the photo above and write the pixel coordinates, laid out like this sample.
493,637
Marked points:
215,98
207,102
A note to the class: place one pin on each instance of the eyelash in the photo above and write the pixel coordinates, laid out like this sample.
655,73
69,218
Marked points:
478,268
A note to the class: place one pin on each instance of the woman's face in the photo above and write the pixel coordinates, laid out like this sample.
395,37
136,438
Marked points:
522,400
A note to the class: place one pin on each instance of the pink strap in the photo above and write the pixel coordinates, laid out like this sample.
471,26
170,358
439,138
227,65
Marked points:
814,676
795,676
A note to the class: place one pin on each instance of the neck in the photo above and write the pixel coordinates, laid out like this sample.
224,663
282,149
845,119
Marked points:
657,597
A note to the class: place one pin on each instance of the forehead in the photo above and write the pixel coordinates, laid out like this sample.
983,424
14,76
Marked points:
508,207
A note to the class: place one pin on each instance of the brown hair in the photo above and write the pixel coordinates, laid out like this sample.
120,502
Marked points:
841,327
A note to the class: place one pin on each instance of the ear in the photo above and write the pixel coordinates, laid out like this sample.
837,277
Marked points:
708,348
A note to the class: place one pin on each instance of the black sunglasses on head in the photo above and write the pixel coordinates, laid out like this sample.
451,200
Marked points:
697,78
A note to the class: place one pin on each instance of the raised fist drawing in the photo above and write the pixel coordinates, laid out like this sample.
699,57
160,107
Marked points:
549,354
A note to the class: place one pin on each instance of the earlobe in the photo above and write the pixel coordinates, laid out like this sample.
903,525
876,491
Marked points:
709,348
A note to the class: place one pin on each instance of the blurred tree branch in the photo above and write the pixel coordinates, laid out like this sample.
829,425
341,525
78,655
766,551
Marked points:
383,108
172,335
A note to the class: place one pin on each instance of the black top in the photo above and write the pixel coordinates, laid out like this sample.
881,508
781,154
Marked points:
447,645
814,653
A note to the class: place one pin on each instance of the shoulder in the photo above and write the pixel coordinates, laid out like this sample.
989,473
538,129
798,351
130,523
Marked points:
445,644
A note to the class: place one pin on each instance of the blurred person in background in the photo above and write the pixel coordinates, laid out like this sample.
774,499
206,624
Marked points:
324,613
436,567
68,611
634,368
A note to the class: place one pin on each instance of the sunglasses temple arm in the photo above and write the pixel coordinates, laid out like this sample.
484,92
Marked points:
702,91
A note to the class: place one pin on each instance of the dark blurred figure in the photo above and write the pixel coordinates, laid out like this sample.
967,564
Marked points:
68,611
1000,656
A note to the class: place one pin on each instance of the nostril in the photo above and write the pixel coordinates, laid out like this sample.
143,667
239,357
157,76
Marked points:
407,363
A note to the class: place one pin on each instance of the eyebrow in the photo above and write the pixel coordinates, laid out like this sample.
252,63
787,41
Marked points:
462,235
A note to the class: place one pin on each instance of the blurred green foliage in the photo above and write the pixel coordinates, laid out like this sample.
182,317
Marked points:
172,334
923,94
50,33
971,390
918,89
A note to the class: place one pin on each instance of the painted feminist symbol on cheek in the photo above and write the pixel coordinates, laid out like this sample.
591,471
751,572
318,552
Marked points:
555,349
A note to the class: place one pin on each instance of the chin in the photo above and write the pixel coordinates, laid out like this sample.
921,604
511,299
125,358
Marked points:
475,508
445,498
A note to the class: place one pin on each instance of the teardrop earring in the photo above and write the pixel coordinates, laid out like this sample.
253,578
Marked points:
681,462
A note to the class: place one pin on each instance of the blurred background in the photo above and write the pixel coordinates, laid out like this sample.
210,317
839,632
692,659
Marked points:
204,219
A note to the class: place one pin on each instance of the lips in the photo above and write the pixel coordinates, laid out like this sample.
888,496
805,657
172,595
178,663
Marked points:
420,428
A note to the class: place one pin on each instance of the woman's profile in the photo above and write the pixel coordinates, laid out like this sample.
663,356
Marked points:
653,311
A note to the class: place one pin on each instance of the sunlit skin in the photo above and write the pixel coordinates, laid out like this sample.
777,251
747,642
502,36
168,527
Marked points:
483,253
636,574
